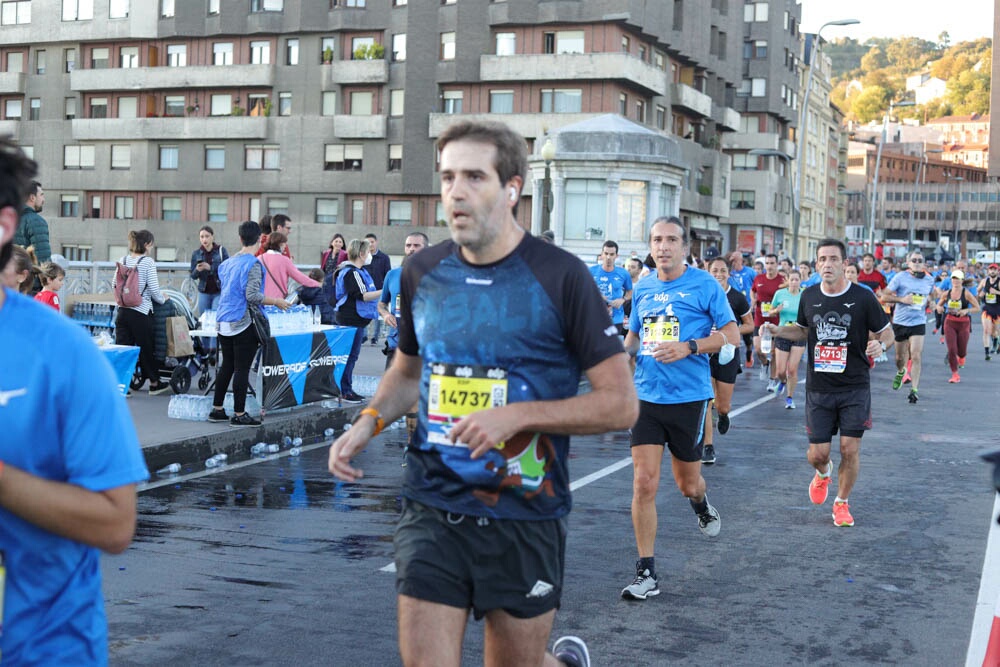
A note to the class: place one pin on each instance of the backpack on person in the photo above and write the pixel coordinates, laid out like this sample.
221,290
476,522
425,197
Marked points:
126,284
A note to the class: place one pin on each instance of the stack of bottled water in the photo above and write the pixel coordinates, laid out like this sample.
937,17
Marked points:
366,384
296,319
196,408
206,322
98,317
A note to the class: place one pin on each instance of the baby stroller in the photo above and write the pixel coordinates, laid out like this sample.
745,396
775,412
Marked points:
178,371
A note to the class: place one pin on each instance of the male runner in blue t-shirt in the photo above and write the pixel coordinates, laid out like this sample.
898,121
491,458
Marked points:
614,283
69,463
677,317
910,291
741,277
496,327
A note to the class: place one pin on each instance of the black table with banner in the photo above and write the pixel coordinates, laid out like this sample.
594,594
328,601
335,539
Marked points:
303,367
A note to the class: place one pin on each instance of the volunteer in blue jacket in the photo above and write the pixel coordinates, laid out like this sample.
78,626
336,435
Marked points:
671,334
357,306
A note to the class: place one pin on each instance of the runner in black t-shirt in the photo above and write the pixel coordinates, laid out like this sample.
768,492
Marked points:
496,328
837,316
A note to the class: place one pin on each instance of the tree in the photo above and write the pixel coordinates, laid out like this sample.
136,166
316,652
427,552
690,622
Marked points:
969,92
870,104
944,40
874,59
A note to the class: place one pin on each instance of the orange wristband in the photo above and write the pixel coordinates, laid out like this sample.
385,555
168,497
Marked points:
371,412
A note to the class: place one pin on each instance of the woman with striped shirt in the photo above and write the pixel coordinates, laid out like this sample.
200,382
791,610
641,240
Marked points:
134,325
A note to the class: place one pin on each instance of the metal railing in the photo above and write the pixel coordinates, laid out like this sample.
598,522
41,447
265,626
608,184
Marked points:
96,277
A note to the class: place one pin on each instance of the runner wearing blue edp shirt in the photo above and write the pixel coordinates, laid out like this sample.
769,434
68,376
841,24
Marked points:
614,283
495,329
671,334
69,462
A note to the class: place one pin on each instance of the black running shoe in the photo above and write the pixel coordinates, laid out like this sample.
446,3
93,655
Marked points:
217,416
912,398
723,424
244,420
708,455
351,397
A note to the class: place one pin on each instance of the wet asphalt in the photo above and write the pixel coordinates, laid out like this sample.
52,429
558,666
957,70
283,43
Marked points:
275,562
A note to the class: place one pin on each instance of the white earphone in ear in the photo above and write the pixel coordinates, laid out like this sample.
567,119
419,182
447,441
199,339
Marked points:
513,194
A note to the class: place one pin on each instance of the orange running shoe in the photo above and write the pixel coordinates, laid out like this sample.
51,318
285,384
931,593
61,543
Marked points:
842,515
961,362
819,486
954,379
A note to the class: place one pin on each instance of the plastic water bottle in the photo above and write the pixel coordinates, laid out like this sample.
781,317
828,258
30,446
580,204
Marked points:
295,451
259,449
296,442
328,433
273,449
317,318
222,457
214,462
766,341
171,469
287,441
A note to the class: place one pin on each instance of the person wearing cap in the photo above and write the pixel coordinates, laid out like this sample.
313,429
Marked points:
958,303
548,236
909,291
989,290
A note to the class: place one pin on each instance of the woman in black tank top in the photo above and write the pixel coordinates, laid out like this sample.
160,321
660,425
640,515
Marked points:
989,289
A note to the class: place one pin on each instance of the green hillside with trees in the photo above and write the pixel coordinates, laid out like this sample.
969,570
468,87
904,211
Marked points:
881,65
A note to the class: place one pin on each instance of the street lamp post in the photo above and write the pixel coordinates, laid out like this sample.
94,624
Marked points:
921,170
548,154
770,152
958,212
878,160
801,134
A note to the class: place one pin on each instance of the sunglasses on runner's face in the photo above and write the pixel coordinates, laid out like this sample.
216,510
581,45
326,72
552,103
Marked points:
916,260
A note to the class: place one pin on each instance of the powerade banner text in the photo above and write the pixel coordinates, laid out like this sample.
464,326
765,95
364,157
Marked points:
123,359
303,368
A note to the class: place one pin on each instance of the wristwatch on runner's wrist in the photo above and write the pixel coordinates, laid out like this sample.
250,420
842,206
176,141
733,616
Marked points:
693,346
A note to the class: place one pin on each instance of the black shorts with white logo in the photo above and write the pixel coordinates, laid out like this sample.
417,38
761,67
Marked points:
679,426
850,412
902,332
480,564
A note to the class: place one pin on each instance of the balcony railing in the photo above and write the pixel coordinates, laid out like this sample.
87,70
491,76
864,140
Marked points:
167,78
683,95
96,277
12,83
355,72
220,127
574,66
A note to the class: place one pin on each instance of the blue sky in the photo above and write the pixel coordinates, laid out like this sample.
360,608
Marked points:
963,19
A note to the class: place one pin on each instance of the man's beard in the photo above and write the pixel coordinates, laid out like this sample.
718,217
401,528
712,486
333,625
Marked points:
38,208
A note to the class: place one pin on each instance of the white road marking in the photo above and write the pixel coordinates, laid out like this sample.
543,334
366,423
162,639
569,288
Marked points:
989,594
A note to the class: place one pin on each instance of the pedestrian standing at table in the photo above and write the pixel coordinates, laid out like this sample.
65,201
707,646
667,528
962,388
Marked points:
69,463
242,279
134,324
280,268
357,305
205,261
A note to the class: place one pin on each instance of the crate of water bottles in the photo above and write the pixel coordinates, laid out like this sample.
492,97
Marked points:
196,408
296,319
97,317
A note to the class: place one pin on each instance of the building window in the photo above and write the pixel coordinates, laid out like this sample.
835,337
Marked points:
291,51
257,104
121,156
640,111
128,57
569,41
327,49
758,87
447,51
118,9
35,108
399,48
359,47
760,48
358,212
69,206
452,101
743,199
267,5
395,157
626,44
98,107
69,60
755,12
276,205
70,108
347,3
343,157
361,103
77,253
176,55
173,105
169,157
221,105
127,107
12,109
506,43
170,208
284,104
501,101
166,9
99,58
124,208
327,211
222,53
218,209
329,105
744,162
215,157
585,208
77,10
623,104
632,197
396,102
400,212
567,100
398,3
13,12
40,60
661,117
213,7
262,157
260,53
78,157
